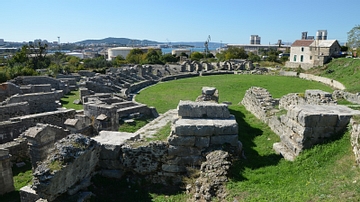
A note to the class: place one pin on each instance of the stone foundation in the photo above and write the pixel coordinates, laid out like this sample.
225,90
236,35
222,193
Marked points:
6,175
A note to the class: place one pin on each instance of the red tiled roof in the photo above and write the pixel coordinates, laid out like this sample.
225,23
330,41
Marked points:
302,43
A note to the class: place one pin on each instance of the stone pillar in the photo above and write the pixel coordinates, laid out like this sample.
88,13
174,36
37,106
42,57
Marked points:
6,175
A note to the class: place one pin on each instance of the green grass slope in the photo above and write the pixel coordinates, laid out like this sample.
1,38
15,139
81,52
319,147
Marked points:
344,70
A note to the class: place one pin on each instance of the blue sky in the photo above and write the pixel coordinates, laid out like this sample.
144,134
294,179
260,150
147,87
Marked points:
226,21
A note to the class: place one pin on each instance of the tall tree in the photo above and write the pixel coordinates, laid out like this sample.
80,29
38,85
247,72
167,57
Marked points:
354,37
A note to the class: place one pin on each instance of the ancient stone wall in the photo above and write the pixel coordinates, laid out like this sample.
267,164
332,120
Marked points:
355,138
41,139
10,130
310,119
14,110
93,111
327,81
35,88
27,80
18,149
140,85
74,160
306,125
351,97
38,102
6,175
8,89
259,102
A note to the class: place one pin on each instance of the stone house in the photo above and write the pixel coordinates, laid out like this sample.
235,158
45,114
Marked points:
310,53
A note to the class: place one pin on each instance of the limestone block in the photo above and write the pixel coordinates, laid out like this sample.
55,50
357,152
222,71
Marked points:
173,168
190,109
284,151
187,160
205,127
27,194
222,139
183,151
202,142
181,140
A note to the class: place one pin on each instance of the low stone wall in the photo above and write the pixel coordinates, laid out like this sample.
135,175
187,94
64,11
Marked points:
288,73
75,158
34,80
355,138
6,175
327,81
142,84
259,102
8,89
351,97
41,139
310,119
10,130
14,110
18,149
38,102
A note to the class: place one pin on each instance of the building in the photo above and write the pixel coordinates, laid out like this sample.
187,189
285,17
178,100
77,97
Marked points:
255,39
177,52
2,42
310,53
124,51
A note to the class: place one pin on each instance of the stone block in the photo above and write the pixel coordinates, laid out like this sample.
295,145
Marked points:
202,142
181,140
205,127
173,168
183,151
110,164
222,139
190,109
187,160
27,194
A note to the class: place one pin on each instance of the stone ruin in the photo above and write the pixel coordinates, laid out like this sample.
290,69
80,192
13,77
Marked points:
204,136
6,180
310,119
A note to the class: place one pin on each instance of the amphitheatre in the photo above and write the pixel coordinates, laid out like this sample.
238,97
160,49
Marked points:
224,132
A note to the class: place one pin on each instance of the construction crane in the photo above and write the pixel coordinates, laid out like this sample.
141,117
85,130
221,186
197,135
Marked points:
206,44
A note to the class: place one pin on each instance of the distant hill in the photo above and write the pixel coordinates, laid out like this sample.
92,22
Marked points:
133,42
119,41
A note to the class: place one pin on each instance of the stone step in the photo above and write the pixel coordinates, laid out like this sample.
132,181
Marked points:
205,127
280,148
190,109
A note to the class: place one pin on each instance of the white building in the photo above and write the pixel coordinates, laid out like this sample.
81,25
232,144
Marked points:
2,42
177,52
124,51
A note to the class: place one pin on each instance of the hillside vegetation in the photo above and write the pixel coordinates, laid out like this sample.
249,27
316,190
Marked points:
344,70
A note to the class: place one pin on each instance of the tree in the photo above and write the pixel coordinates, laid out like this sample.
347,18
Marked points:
135,56
235,53
196,56
168,58
119,60
354,37
253,57
153,57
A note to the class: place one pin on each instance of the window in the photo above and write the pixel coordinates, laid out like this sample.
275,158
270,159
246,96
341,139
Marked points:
310,48
311,57
294,58
301,58
302,49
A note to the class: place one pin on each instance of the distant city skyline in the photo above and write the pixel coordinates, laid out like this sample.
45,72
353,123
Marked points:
228,21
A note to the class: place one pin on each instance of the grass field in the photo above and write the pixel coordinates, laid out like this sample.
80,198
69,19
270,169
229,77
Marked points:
325,173
68,99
